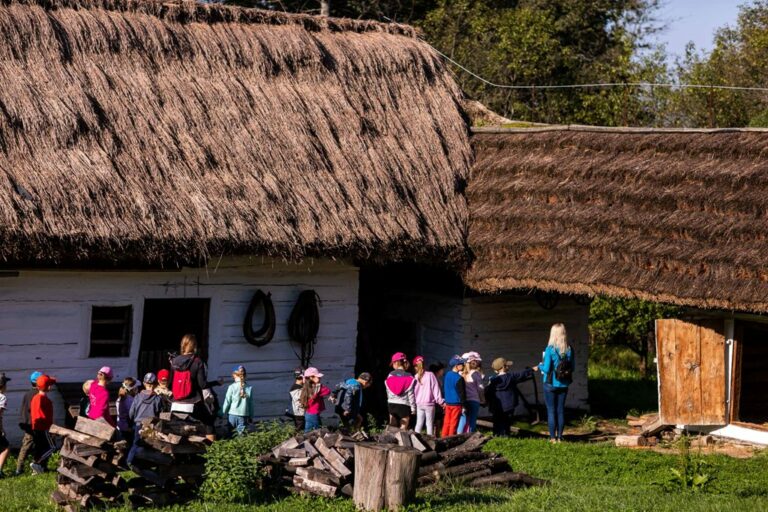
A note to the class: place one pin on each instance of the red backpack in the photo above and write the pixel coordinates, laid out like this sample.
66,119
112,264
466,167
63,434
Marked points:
182,383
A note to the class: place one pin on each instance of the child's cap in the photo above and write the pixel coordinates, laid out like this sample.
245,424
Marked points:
150,378
34,376
44,382
398,356
128,386
499,363
418,360
298,373
238,369
471,356
456,360
107,371
163,374
365,376
3,379
312,372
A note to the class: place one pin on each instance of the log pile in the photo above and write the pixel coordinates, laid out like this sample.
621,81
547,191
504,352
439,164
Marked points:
89,466
322,463
169,461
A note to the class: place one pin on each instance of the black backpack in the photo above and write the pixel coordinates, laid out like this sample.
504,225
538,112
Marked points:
564,370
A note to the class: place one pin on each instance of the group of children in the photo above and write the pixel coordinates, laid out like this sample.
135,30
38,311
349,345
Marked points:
413,391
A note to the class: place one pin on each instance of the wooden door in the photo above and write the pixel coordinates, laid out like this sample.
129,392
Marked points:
691,362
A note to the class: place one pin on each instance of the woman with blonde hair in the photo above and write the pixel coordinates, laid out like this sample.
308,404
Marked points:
557,371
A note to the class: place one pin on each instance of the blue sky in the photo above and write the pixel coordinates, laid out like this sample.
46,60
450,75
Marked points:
695,20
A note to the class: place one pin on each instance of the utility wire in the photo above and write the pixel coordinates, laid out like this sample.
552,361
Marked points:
599,85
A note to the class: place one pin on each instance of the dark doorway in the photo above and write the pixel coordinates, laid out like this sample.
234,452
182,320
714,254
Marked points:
753,400
166,321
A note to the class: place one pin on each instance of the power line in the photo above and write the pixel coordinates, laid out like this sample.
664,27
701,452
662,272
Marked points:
598,85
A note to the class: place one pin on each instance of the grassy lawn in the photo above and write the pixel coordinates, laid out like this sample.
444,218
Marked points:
584,477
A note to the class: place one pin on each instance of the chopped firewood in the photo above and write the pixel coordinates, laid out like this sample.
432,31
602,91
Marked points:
416,443
77,436
299,461
654,426
96,428
329,491
290,453
403,439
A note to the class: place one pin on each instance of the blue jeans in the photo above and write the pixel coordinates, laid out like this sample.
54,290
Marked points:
238,423
135,446
311,422
472,409
555,400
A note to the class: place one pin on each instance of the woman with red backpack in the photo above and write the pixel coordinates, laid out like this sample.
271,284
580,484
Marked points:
189,382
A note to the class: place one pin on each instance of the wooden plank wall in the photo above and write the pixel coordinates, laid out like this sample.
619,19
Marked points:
44,322
517,328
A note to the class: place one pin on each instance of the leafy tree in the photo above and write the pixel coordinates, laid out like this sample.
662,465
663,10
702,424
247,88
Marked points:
628,322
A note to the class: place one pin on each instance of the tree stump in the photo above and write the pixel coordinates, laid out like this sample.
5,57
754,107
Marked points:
385,476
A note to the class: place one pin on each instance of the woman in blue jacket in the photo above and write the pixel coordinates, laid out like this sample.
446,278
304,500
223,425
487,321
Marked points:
557,370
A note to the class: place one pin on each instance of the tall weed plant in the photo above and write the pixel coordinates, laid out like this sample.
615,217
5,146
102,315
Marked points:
233,473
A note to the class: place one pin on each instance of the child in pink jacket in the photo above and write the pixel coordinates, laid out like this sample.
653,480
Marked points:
313,398
428,394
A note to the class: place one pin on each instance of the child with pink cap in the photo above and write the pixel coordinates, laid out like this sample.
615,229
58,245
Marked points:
98,397
401,401
313,398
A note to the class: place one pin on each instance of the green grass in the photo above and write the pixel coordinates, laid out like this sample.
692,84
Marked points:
584,477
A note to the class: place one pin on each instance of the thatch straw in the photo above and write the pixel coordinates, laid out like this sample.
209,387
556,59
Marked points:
157,131
673,217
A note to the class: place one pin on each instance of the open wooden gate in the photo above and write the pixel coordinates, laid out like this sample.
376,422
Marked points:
691,362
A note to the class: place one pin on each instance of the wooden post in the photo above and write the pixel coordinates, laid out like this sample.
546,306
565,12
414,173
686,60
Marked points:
385,476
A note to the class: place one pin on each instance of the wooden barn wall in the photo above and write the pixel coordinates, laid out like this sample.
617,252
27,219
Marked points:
45,323
517,328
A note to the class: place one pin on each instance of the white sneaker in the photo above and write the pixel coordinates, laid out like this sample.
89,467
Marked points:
37,468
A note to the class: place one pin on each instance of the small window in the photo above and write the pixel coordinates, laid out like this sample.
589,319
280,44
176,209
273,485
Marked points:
111,331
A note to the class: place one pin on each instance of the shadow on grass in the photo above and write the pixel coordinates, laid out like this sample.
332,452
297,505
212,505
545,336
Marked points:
441,497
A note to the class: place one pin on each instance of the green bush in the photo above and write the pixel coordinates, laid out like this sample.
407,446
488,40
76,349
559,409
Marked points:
232,470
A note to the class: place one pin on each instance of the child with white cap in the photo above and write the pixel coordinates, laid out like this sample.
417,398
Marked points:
475,390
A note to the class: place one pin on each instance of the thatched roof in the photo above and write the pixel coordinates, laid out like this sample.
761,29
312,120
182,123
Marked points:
671,216
157,131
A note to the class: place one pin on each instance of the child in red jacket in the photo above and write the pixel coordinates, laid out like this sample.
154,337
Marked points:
41,414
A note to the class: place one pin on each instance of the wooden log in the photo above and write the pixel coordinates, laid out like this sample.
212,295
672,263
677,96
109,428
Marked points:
456,458
348,490
370,470
331,439
428,458
509,479
332,457
433,469
654,427
77,436
385,476
324,477
83,450
308,447
168,438
416,443
96,428
474,442
153,456
631,441
469,477
290,453
174,449
401,476
288,444
446,443
67,472
320,489
299,461
441,472
403,439
182,428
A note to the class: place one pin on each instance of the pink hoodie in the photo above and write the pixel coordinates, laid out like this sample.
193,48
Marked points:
428,390
316,403
99,404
